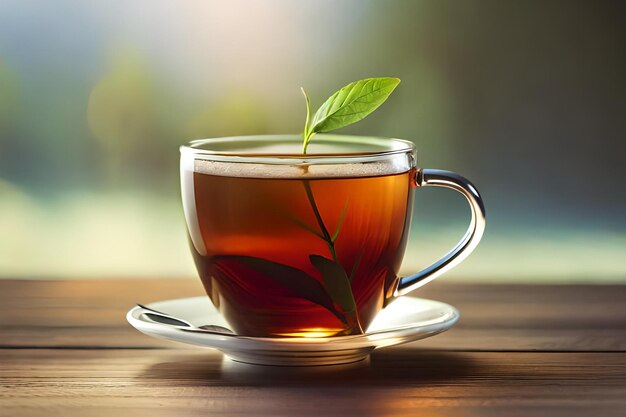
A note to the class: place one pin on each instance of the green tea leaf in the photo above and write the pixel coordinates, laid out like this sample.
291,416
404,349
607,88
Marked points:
293,279
350,104
336,282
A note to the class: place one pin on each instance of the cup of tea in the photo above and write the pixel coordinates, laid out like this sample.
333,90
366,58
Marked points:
309,245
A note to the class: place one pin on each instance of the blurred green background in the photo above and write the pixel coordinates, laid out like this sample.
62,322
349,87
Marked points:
526,98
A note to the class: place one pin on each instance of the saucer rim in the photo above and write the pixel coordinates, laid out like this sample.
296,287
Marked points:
375,339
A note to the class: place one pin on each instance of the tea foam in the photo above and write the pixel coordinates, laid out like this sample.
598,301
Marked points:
392,165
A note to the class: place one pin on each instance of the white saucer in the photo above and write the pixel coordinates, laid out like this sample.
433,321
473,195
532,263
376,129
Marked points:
405,320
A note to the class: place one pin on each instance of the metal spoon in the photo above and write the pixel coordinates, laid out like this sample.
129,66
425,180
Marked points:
163,318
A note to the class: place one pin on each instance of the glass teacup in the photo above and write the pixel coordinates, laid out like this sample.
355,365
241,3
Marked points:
293,245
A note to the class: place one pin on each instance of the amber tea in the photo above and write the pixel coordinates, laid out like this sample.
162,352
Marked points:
295,244
297,255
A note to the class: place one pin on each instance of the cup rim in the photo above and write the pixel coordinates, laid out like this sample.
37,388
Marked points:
395,147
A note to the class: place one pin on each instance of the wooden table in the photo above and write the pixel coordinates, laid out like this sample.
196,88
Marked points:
67,350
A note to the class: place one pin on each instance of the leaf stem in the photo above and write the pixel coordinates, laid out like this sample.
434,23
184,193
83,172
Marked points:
305,134
330,242
326,236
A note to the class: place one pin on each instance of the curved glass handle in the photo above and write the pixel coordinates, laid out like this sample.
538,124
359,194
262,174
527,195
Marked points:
448,179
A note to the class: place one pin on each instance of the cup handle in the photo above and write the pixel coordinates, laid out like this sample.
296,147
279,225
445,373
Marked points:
448,179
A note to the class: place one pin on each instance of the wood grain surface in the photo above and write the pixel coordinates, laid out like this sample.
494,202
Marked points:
66,350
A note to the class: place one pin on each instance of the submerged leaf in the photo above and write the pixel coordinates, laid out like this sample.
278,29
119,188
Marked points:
336,282
293,279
